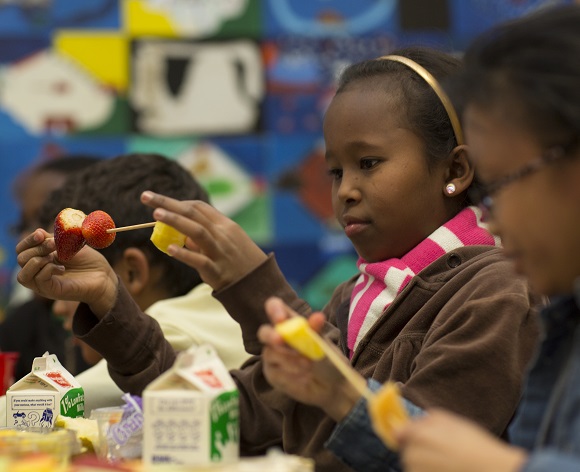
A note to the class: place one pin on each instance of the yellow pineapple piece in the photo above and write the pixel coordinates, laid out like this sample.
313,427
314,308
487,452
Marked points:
298,334
164,235
87,430
387,413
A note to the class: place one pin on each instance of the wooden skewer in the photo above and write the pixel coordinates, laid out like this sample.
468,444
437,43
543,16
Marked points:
131,227
358,383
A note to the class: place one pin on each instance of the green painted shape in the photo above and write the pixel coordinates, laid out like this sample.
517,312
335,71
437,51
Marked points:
219,186
320,288
169,147
247,25
256,220
118,122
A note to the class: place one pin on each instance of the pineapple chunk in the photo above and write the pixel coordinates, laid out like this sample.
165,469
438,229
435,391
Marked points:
87,430
387,413
297,333
163,235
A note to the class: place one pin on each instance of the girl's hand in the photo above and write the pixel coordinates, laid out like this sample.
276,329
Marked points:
87,277
314,383
217,247
444,442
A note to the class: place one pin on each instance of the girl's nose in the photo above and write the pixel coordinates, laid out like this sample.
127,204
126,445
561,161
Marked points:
348,190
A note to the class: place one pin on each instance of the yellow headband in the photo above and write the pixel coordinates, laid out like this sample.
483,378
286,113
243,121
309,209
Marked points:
427,77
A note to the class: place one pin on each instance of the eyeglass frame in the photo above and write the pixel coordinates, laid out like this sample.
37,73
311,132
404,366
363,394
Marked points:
482,195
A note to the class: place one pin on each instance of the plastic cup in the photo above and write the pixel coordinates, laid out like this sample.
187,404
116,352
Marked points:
106,417
25,447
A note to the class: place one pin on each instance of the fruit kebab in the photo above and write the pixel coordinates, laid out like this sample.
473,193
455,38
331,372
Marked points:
162,237
385,407
73,229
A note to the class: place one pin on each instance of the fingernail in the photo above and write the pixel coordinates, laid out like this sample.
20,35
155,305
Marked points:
146,196
159,213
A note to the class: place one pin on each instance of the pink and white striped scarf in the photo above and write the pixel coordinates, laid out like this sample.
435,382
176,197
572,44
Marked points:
380,282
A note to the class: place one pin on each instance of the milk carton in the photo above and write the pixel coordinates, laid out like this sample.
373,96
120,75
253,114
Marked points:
39,397
192,412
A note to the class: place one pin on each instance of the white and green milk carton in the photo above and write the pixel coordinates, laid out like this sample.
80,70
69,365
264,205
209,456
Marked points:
40,396
191,412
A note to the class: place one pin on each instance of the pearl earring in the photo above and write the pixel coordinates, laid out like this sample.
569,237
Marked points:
450,189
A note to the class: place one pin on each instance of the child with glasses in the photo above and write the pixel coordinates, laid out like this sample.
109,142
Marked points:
522,118
435,305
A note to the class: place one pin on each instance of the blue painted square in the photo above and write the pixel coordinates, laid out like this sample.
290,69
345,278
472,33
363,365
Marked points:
27,17
322,19
472,17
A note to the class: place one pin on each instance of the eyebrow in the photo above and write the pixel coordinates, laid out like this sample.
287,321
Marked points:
358,145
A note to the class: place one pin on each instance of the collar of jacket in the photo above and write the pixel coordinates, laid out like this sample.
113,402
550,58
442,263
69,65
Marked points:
434,276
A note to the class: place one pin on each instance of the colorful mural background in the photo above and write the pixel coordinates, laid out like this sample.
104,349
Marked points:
234,89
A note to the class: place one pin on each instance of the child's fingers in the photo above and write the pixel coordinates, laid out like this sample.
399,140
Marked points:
316,321
277,310
285,360
33,240
202,236
195,210
155,200
38,271
269,336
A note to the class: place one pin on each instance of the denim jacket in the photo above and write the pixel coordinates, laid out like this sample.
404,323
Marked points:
547,423
548,419
356,444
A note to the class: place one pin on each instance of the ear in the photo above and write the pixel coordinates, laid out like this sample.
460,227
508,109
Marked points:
134,270
459,173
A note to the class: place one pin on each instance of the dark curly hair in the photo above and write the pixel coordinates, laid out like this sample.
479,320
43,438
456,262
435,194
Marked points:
114,186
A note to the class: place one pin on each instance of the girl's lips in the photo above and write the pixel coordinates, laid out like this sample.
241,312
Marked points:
353,229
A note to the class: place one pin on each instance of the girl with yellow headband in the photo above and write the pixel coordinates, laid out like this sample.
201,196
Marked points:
435,306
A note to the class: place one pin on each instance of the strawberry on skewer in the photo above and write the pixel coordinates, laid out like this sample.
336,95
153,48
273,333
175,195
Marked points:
73,229
94,229
68,235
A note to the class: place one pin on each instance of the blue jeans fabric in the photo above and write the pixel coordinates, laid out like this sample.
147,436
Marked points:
357,445
548,419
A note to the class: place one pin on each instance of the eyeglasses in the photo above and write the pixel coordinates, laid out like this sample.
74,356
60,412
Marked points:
482,195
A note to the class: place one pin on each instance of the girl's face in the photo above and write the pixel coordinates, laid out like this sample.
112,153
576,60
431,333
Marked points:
538,215
383,194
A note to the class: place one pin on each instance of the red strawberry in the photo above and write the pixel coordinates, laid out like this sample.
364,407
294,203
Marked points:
95,229
68,235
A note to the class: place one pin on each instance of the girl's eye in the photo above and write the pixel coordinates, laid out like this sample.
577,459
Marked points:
368,163
336,174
